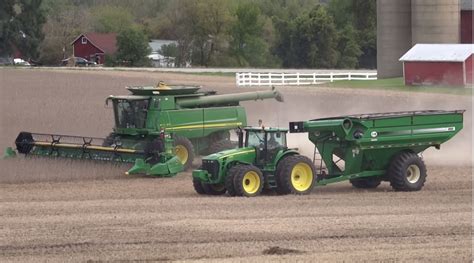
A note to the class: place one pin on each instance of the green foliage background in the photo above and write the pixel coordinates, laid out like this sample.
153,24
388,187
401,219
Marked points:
209,33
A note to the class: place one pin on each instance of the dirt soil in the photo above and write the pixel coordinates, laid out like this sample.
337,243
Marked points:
53,210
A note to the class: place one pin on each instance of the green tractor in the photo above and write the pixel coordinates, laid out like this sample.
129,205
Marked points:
262,161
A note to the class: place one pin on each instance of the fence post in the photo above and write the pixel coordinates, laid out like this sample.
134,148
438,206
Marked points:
349,76
297,78
330,77
314,77
283,78
270,79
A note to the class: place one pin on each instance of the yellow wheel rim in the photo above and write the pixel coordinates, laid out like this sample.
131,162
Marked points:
251,182
413,173
182,153
301,177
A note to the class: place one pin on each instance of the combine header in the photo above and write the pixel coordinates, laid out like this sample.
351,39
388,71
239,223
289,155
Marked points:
159,128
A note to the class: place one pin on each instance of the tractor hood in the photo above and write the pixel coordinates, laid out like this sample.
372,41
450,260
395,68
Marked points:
237,154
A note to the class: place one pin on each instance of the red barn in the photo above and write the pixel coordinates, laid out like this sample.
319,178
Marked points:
438,64
94,46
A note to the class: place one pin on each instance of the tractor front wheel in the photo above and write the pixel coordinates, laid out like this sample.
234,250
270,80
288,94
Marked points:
184,150
366,183
214,189
247,180
198,187
407,172
295,175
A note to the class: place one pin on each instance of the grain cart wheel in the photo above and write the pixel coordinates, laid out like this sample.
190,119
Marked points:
366,183
184,151
407,172
248,180
213,189
198,186
295,175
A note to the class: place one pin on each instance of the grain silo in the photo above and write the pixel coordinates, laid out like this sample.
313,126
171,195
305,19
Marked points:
435,21
393,36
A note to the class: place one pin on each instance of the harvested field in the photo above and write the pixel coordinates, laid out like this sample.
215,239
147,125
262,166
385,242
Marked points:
79,211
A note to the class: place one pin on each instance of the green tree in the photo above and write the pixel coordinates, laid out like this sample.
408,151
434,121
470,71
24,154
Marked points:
111,19
132,48
170,50
309,40
348,49
21,24
247,45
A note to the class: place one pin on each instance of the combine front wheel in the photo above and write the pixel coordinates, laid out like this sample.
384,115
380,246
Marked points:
407,172
184,151
295,175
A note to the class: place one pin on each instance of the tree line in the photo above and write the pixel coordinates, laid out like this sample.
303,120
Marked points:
208,33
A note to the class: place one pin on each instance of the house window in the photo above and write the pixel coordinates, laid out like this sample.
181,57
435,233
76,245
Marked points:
84,40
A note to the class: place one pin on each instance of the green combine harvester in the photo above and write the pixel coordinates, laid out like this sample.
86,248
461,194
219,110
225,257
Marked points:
154,128
364,149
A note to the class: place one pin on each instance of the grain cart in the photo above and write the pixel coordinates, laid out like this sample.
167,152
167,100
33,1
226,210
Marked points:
364,149
369,148
262,161
195,122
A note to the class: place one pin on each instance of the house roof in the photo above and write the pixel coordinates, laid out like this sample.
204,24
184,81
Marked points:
107,42
439,52
467,5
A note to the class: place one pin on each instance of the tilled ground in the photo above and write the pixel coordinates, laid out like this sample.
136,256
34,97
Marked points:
79,211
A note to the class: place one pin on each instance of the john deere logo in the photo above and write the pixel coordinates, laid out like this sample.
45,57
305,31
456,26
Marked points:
374,134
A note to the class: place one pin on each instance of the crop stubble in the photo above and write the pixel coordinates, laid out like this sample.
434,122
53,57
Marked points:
52,210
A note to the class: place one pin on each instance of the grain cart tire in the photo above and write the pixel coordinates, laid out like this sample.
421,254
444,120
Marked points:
229,180
198,186
184,150
248,180
407,172
109,140
295,174
213,189
220,146
366,183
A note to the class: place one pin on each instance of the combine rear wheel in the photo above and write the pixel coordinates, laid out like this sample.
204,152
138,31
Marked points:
184,151
407,172
247,180
295,175
366,183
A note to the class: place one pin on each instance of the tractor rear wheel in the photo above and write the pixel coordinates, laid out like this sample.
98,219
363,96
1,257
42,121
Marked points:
247,180
184,150
366,183
213,189
407,172
295,175
198,186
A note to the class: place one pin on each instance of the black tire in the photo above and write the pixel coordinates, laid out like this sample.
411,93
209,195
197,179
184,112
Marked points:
229,180
243,178
284,173
184,142
407,172
214,189
109,140
366,183
220,146
152,150
198,186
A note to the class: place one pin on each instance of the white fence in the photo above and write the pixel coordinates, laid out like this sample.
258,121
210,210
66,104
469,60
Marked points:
278,79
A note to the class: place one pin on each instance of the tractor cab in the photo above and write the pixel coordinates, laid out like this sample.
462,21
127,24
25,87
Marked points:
267,142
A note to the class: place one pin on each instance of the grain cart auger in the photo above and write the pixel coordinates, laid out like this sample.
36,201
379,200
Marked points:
369,148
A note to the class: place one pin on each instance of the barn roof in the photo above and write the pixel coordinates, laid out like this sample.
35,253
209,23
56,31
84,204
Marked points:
107,42
439,52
